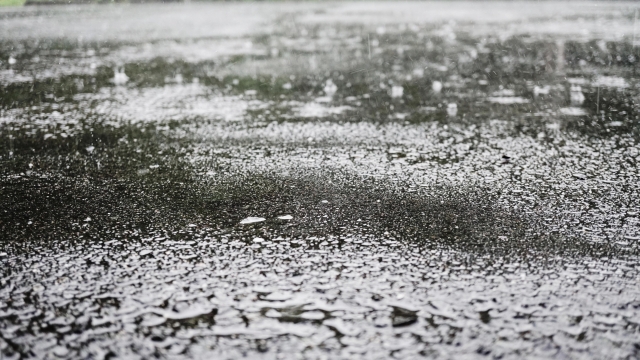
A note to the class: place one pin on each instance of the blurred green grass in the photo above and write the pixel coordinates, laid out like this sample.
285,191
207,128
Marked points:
74,2
12,2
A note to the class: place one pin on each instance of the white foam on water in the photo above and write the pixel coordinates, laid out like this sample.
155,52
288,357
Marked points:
315,109
170,102
611,81
573,111
507,100
252,220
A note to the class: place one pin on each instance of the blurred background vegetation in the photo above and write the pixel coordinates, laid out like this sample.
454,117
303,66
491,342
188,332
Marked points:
62,2
12,2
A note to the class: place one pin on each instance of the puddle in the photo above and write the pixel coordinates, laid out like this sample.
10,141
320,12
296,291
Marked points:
338,183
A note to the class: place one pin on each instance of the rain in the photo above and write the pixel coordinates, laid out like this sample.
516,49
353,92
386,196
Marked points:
315,180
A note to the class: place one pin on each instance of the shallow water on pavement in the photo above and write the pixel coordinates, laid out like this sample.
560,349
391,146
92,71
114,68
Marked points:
320,181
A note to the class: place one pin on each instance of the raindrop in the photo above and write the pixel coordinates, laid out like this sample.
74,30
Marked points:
397,91
436,87
452,109
119,77
330,88
576,95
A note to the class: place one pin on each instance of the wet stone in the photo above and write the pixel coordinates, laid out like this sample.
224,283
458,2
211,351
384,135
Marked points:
403,317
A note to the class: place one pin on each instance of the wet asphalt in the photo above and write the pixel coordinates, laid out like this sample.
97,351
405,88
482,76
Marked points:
320,181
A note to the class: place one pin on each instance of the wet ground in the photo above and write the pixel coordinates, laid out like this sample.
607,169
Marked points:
320,181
